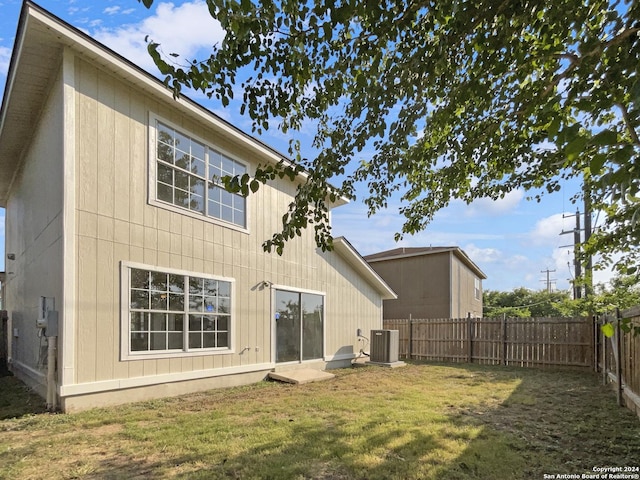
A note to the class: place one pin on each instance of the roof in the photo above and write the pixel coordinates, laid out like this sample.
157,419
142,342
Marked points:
40,42
358,263
407,252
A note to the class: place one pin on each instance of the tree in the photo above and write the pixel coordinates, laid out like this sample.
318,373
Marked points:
623,292
522,302
462,99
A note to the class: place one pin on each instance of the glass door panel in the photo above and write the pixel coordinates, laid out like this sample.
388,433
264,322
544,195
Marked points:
312,315
287,326
299,326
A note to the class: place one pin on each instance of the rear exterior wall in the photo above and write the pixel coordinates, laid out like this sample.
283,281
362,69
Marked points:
115,223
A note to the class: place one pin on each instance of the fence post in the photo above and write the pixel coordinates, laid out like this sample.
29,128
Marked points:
410,337
594,338
504,339
619,359
603,340
470,340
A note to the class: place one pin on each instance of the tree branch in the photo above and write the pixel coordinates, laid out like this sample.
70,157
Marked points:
627,121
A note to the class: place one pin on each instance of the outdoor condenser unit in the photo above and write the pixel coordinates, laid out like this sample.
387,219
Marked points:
384,346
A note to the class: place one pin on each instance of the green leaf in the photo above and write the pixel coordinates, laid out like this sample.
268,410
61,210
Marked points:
605,137
553,128
597,162
575,148
254,185
607,330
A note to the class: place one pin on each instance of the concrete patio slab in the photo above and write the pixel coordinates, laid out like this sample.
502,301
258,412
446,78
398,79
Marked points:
301,376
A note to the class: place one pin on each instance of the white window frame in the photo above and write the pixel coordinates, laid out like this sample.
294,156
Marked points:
125,323
153,176
477,287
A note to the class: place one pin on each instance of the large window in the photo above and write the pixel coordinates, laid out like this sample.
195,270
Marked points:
177,312
188,175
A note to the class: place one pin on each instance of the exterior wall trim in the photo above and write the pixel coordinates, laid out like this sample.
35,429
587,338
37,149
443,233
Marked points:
343,356
35,375
68,327
103,386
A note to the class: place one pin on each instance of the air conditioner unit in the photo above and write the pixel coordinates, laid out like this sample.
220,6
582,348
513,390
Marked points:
384,346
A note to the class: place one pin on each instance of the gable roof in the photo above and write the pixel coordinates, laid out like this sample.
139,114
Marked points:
358,263
40,42
407,252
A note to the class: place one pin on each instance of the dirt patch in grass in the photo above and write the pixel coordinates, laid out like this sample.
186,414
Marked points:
423,421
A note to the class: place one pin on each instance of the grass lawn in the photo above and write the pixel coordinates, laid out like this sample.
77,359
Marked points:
424,421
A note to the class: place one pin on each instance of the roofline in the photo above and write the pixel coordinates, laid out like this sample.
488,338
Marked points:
456,250
82,42
349,253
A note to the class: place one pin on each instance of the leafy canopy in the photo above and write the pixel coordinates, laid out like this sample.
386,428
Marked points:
522,302
621,293
462,99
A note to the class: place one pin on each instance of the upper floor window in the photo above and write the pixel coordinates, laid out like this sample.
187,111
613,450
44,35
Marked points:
476,285
188,175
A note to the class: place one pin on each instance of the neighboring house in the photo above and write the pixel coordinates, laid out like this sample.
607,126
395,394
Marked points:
431,282
116,221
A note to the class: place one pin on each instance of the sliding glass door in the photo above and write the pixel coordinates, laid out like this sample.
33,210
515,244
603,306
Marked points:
299,326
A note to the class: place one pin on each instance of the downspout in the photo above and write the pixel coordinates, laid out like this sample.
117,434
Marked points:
52,403
51,332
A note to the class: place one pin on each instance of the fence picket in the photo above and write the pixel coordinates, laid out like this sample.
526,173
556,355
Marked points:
509,341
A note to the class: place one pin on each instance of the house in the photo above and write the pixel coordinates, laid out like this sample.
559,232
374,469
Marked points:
131,273
431,282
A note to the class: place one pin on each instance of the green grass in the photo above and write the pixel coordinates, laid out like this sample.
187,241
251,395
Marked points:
423,421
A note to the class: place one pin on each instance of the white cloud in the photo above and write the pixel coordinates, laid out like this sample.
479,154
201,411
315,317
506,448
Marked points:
128,11
5,58
483,255
547,230
111,10
184,30
502,206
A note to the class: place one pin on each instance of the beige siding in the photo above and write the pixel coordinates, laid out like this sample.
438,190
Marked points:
115,223
34,236
463,299
435,285
422,284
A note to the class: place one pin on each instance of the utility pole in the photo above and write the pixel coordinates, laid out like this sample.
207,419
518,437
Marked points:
588,273
577,290
577,265
548,280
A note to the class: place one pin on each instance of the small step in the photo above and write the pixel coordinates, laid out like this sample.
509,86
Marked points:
301,376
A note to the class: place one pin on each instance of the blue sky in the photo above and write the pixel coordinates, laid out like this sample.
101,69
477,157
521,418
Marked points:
512,240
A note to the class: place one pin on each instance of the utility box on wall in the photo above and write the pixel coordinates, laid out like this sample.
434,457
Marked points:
384,346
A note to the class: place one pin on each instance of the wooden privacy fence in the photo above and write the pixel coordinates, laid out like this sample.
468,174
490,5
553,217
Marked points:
618,359
524,342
